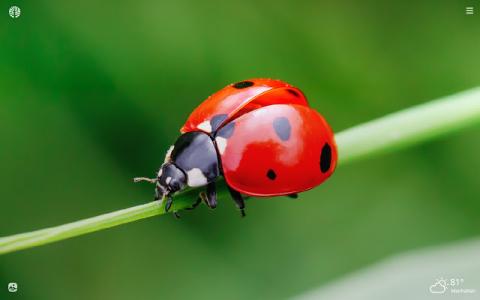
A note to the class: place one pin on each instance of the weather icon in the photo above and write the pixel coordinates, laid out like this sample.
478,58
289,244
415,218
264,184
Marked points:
439,287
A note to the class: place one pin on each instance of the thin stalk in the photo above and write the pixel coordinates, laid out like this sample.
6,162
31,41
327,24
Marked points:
410,126
389,133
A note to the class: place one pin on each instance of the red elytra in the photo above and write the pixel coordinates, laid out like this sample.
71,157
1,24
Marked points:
234,101
269,140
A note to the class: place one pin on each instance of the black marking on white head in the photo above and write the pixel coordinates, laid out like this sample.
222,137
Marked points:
243,84
282,128
170,179
217,120
325,158
195,154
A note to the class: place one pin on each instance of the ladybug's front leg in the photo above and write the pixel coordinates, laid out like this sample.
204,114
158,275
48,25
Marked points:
237,197
169,202
168,205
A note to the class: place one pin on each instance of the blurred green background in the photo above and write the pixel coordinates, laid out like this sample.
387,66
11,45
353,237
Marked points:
92,94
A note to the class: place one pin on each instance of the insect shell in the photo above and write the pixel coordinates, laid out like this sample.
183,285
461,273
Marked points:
261,135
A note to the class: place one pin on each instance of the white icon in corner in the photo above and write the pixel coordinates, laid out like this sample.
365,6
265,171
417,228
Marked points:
12,287
469,10
14,12
439,287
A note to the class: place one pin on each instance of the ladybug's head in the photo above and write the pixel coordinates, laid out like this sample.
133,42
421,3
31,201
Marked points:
170,179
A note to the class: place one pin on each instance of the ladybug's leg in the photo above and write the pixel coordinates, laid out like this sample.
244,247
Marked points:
293,196
237,197
157,195
194,205
203,196
169,202
211,195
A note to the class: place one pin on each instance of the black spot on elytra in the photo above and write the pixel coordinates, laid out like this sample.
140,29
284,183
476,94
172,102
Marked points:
217,120
282,128
242,84
227,130
293,92
325,158
271,174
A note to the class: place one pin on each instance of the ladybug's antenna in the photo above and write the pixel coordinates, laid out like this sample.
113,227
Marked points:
151,180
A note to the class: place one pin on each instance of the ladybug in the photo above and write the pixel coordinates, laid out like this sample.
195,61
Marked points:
261,135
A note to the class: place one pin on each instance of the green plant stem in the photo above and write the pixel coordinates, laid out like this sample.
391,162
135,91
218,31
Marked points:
410,126
391,132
